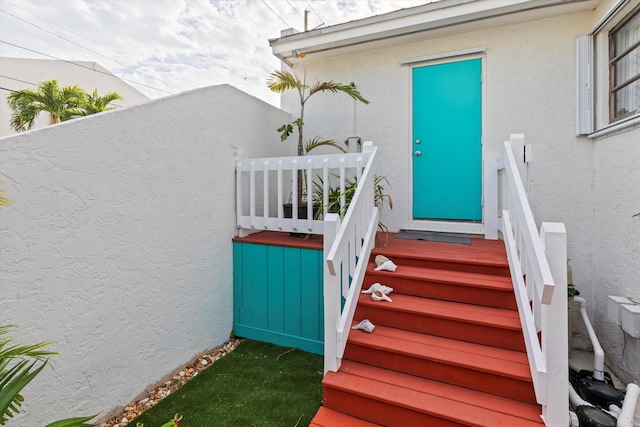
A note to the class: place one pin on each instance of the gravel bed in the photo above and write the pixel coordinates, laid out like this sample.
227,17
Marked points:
200,363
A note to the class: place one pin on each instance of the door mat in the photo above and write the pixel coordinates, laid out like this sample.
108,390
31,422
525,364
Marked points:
432,237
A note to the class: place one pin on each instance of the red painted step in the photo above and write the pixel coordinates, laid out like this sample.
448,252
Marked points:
481,256
448,351
475,288
395,399
466,322
328,418
489,369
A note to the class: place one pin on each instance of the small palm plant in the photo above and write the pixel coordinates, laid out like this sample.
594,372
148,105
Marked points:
60,102
94,103
281,81
19,364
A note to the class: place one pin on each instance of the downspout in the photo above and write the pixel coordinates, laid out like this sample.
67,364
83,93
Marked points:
598,353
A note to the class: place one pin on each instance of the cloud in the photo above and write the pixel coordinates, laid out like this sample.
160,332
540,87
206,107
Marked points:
172,45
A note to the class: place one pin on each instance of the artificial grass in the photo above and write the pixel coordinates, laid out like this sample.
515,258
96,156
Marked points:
257,384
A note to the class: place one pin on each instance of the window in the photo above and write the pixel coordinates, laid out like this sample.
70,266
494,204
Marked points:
624,68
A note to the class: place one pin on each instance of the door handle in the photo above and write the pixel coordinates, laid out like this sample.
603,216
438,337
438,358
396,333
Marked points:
417,153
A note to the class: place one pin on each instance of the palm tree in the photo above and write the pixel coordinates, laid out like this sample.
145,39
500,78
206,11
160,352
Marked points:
280,81
60,102
94,103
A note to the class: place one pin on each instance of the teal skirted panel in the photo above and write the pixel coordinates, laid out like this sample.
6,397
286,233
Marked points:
277,295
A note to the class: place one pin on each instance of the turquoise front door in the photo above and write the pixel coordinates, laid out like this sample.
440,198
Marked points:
447,141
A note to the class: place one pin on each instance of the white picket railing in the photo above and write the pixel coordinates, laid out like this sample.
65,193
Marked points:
538,264
347,248
264,185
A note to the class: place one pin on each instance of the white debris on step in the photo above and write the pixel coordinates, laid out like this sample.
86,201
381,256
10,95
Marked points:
379,292
365,325
378,287
387,266
380,259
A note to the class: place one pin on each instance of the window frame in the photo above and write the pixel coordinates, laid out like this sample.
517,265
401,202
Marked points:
614,59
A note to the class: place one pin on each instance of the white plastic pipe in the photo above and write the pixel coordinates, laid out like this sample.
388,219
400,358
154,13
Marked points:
575,399
625,419
598,353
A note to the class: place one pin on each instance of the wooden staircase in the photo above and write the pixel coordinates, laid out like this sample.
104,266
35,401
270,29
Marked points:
448,351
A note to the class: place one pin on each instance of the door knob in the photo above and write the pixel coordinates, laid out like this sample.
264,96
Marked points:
417,153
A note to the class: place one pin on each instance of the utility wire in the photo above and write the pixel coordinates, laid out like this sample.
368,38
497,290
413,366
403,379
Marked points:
83,66
89,49
18,80
275,13
295,9
317,14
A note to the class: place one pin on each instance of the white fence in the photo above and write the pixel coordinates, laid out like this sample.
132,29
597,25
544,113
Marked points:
347,247
538,264
265,185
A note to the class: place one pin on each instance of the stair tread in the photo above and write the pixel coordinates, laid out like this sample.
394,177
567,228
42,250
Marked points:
466,406
328,418
503,362
490,316
486,252
489,281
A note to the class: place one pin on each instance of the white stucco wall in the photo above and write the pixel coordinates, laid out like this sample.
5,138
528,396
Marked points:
25,73
117,244
617,243
529,88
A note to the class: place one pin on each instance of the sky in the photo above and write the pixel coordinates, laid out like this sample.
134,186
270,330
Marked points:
163,47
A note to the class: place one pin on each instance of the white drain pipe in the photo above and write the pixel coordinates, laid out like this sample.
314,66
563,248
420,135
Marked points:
598,353
625,419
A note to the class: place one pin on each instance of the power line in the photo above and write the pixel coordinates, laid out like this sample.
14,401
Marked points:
314,11
275,13
83,66
294,8
18,80
84,47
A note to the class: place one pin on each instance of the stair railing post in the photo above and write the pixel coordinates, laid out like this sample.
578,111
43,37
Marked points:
332,297
490,199
555,327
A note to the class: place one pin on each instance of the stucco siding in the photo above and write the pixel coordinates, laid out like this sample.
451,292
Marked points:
529,88
617,243
117,244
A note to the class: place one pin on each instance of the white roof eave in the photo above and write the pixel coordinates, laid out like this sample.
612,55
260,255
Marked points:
402,25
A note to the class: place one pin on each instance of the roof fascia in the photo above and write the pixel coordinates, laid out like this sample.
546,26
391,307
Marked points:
404,22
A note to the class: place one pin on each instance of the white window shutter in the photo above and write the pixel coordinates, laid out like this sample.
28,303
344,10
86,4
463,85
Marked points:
584,85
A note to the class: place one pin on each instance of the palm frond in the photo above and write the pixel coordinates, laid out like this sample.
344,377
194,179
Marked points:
73,422
280,81
337,87
12,381
317,142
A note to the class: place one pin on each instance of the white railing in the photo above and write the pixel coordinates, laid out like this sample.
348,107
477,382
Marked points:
347,247
538,264
265,185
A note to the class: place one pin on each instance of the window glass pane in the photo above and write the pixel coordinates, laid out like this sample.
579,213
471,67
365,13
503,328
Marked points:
628,66
628,99
629,34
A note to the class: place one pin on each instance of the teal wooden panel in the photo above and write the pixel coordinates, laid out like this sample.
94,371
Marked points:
292,285
447,130
256,255
278,295
275,289
310,313
238,284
